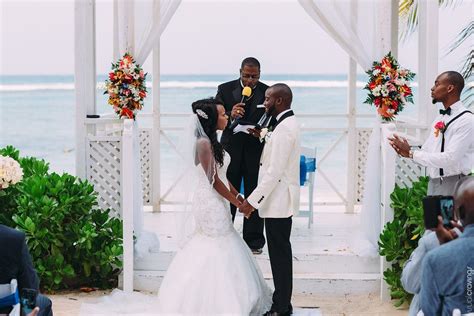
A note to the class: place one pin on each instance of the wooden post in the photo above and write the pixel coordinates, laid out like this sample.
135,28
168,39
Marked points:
388,164
351,136
84,75
127,202
351,124
156,183
427,58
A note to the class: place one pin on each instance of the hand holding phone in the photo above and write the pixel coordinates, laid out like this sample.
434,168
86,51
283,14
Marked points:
438,205
28,300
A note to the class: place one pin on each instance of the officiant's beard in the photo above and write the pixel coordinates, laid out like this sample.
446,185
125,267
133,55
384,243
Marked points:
434,101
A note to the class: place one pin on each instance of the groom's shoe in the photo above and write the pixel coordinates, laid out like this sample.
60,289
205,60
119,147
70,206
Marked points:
257,251
272,313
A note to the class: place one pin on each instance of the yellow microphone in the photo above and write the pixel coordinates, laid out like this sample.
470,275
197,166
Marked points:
246,92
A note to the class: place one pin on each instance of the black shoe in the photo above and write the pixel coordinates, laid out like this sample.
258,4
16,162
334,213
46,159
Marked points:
257,251
272,313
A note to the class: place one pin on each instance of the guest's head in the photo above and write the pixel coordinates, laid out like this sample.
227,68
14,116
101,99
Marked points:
464,200
447,87
211,115
277,99
250,72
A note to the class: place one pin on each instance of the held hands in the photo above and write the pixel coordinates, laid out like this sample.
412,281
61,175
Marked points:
446,235
238,111
400,145
246,209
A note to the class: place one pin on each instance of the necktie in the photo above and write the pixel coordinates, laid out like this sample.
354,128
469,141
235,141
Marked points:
447,111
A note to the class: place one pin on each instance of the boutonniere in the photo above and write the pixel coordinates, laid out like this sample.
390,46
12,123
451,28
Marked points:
439,127
265,134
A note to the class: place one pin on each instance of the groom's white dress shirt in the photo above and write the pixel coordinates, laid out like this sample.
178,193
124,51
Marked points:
458,155
278,191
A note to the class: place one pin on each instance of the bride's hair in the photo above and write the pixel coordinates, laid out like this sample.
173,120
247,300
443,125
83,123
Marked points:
206,111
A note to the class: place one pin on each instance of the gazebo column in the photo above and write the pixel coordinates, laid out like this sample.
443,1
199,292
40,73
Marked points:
156,125
388,19
428,22
85,75
351,181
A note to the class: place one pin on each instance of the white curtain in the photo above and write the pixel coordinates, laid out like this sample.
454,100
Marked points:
139,27
361,28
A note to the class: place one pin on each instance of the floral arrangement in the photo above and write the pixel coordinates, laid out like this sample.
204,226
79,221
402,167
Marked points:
389,87
439,127
126,87
10,172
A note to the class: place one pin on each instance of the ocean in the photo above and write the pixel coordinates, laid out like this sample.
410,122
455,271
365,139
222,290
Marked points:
37,114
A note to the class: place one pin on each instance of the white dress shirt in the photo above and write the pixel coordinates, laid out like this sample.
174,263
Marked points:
458,155
281,114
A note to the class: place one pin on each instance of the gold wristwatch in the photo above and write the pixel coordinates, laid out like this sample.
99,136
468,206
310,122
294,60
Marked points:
410,154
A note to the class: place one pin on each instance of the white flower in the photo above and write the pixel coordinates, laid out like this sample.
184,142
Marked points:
10,172
376,72
376,91
384,92
263,133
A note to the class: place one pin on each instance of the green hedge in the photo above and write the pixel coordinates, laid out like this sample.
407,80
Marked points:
400,237
72,242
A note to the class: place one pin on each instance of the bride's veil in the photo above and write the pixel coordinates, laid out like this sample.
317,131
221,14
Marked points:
198,162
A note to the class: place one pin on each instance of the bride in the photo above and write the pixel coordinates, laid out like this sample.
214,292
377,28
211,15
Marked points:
215,272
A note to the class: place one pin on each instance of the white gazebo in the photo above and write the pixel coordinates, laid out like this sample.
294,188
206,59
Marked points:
107,148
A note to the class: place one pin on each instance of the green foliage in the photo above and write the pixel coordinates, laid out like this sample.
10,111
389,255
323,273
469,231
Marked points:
400,237
72,241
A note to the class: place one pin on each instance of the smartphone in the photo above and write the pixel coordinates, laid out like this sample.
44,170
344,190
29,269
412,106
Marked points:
436,205
28,300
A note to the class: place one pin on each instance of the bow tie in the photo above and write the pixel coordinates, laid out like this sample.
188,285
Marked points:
447,111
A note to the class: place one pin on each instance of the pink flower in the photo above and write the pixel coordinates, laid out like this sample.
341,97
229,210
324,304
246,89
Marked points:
439,127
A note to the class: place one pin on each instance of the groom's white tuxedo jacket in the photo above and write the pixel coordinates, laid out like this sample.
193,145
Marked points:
278,192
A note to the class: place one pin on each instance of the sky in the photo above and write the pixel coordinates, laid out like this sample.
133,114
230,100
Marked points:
204,37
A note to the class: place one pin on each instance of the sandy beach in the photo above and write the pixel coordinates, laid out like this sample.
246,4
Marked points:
69,303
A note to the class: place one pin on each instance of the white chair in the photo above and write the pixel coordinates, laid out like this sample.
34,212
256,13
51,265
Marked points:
307,172
9,297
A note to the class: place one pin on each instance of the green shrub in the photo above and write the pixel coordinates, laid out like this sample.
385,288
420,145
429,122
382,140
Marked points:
71,240
400,237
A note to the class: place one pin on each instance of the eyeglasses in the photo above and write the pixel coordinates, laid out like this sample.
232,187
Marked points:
247,76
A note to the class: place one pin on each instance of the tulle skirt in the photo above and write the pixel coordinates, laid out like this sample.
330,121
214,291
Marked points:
214,276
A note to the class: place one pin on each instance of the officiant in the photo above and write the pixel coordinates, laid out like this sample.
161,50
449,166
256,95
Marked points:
243,148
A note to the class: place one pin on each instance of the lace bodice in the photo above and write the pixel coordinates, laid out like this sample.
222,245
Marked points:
211,211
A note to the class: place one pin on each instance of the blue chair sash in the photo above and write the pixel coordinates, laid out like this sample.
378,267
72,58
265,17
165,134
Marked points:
306,165
10,300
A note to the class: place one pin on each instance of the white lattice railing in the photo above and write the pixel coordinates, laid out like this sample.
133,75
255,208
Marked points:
104,164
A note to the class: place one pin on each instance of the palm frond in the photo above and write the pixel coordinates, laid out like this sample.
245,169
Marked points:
468,96
465,33
408,14
468,65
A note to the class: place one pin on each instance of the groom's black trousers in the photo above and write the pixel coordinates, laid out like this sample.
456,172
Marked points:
278,232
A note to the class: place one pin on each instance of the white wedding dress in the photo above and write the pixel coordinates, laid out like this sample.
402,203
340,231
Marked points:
215,273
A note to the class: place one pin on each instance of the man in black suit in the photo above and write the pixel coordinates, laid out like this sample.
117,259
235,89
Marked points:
244,149
15,263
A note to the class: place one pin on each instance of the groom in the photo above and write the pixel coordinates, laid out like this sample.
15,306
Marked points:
278,192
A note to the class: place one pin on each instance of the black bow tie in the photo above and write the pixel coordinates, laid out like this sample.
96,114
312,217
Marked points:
447,111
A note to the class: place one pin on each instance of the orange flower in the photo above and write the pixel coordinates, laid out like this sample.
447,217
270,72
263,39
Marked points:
386,63
126,112
383,111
